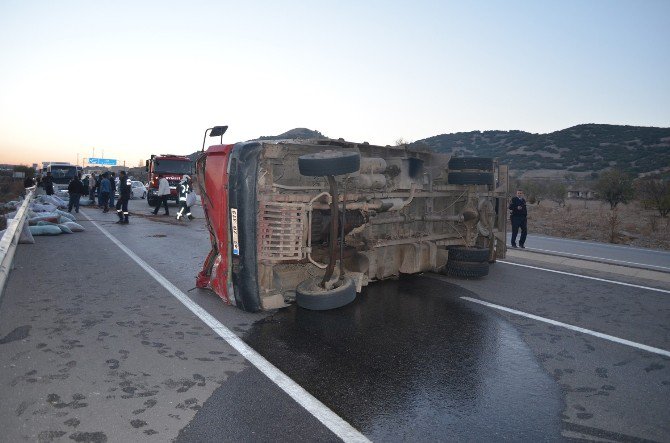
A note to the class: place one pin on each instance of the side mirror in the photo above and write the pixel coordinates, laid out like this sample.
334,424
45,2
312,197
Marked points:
146,166
216,131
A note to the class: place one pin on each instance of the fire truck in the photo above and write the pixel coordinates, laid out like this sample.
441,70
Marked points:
173,168
315,221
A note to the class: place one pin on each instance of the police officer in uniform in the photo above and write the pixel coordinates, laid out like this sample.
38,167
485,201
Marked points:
124,196
519,218
184,190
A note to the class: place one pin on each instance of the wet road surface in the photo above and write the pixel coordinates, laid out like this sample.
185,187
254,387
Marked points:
93,349
410,361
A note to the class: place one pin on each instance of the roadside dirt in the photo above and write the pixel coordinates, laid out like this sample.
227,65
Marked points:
593,220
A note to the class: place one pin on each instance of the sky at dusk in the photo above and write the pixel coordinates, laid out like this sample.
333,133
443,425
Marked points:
125,79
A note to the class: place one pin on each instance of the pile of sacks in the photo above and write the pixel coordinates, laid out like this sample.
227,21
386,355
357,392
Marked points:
45,217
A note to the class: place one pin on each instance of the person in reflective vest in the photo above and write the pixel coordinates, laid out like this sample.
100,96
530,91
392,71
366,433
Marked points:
124,196
184,191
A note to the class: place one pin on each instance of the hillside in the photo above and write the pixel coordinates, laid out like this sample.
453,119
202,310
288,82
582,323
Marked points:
579,149
296,134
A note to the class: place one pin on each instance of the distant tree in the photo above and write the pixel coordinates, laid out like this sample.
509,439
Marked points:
614,187
655,194
556,192
402,142
535,191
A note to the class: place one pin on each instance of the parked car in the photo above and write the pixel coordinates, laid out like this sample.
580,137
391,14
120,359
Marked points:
137,190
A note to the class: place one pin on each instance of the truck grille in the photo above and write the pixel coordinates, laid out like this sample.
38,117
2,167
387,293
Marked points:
281,231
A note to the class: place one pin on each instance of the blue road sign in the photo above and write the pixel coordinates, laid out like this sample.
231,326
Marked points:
102,161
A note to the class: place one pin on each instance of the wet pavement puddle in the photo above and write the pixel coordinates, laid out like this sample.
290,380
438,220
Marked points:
409,360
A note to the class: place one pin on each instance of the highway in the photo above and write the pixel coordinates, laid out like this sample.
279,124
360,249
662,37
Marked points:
616,254
104,338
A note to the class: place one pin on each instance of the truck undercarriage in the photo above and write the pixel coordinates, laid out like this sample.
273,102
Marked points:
316,221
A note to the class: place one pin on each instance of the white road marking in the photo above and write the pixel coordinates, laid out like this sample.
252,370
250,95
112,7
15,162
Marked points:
320,411
608,260
573,328
665,291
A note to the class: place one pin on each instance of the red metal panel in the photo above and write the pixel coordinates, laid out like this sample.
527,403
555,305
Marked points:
215,204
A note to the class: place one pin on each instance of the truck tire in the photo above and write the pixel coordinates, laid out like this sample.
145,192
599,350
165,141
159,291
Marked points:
310,295
329,163
482,163
473,255
465,269
470,178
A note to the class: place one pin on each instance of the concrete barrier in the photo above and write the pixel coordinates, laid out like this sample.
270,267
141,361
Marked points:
11,238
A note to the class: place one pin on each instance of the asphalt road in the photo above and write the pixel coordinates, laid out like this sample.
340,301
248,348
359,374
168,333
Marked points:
617,254
94,348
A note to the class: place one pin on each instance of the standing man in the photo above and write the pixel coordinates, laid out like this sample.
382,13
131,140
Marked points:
75,188
28,182
103,193
184,190
48,184
92,181
163,194
519,218
112,193
124,196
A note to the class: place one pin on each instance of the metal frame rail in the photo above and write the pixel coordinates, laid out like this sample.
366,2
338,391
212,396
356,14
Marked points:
11,238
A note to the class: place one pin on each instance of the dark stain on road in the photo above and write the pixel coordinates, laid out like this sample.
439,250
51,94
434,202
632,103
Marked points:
409,359
89,437
19,333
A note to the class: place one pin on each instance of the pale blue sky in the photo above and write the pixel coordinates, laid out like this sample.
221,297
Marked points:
132,78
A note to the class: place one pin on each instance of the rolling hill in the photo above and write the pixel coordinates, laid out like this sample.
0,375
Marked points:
580,150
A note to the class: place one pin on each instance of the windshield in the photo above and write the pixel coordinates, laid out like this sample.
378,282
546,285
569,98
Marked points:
172,166
63,172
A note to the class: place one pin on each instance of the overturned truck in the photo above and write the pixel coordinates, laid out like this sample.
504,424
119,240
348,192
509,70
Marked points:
314,221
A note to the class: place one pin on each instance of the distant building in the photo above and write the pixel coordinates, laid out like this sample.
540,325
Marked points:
582,193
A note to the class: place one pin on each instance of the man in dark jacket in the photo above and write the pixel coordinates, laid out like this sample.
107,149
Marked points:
103,193
48,184
124,196
518,217
75,188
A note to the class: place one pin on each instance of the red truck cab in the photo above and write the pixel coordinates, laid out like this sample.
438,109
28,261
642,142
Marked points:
173,168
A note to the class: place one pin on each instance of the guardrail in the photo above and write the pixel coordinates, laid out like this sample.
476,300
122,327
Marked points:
11,238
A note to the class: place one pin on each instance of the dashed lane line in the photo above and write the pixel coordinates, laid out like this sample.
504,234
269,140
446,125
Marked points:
320,411
649,288
611,338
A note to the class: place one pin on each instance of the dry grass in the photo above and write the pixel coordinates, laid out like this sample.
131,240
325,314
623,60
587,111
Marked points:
10,189
593,220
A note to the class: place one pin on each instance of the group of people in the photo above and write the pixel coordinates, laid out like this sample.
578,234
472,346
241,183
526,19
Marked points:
185,194
106,186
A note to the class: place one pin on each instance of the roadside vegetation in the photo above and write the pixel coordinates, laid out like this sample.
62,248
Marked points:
628,224
620,210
